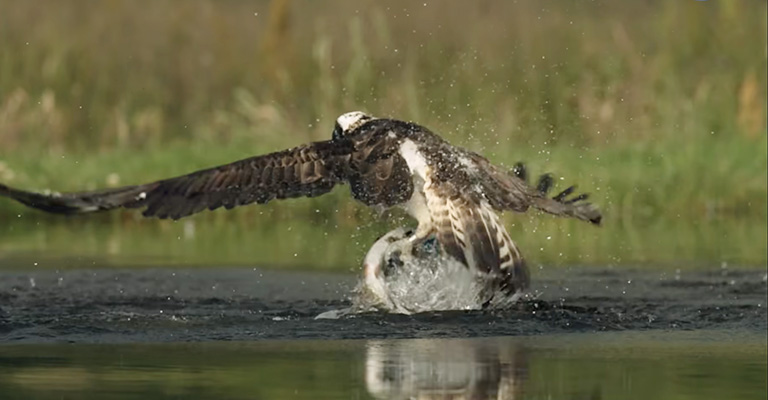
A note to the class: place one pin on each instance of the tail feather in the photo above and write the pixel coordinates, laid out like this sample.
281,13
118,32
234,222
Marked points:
81,202
570,208
559,204
520,171
545,183
565,193
476,237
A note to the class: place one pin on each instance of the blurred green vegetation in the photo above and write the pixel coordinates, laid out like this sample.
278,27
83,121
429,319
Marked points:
656,108
319,242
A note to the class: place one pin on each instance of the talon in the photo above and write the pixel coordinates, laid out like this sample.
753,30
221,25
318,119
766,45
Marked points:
427,248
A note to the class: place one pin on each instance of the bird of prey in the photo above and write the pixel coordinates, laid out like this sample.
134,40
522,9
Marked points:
454,194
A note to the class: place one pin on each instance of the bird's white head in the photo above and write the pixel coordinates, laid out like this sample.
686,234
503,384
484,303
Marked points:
350,121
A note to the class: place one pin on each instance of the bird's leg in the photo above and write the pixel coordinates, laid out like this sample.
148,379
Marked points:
422,233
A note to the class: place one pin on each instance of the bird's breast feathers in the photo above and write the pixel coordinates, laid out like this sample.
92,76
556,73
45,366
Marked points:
415,160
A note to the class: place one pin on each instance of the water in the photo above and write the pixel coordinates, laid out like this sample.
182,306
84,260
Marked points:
120,305
626,365
74,326
431,281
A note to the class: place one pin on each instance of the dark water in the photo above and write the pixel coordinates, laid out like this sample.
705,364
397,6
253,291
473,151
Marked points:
250,333
207,304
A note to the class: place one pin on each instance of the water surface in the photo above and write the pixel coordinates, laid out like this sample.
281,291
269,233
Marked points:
626,365
100,326
123,304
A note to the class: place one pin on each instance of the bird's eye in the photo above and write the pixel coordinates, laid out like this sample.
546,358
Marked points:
337,132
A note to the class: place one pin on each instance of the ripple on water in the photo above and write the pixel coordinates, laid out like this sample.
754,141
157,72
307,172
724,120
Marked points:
175,304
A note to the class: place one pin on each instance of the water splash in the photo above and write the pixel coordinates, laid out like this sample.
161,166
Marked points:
435,282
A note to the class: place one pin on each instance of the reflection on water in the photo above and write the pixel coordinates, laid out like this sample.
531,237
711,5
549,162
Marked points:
445,369
702,365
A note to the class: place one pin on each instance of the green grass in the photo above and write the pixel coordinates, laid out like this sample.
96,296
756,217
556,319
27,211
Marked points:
657,109
714,177
84,75
674,212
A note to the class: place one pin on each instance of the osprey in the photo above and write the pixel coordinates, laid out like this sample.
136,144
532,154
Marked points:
454,194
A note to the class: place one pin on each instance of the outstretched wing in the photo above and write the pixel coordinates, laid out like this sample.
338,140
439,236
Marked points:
510,191
308,170
469,229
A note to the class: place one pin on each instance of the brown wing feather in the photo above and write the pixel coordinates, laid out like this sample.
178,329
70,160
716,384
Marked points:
307,170
75,203
381,177
468,229
507,191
